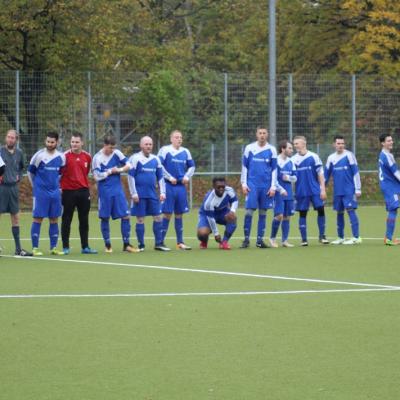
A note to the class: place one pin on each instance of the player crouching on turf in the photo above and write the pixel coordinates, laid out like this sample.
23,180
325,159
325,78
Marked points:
219,207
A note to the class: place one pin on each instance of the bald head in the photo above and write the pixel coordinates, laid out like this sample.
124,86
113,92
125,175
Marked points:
146,145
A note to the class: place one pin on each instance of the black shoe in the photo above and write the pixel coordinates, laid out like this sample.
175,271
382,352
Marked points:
245,244
323,240
261,245
23,253
304,243
161,247
141,247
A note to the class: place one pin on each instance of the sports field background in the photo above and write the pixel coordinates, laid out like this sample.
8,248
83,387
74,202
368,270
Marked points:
321,322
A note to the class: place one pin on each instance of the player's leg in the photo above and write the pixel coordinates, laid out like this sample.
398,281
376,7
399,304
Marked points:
40,210
181,207
120,210
392,205
69,202
276,221
167,208
104,212
302,206
203,231
321,219
288,211
264,202
338,206
83,207
351,205
251,205
54,213
229,220
153,208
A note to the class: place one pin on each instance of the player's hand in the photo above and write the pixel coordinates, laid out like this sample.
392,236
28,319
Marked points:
358,194
162,197
271,193
286,178
218,238
284,193
115,170
230,217
173,181
135,198
323,195
245,189
185,180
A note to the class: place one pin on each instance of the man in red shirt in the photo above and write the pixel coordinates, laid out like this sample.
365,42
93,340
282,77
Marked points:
75,193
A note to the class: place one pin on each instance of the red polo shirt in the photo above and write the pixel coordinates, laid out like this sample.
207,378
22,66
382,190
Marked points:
75,173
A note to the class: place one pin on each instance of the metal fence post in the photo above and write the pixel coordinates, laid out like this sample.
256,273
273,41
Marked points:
353,113
191,193
291,107
212,157
89,115
226,121
17,84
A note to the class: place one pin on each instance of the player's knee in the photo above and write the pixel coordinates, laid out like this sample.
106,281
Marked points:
279,217
262,212
303,213
321,212
158,218
249,212
230,218
168,216
202,235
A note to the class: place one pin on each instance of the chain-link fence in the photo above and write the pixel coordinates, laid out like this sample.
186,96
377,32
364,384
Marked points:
218,113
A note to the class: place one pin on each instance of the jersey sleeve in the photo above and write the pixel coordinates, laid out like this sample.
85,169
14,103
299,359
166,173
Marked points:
318,166
233,200
274,164
98,174
245,166
328,169
160,176
123,160
356,173
190,165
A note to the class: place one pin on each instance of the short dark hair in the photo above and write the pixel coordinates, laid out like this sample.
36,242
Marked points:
77,134
338,137
261,127
282,145
52,135
218,179
109,139
383,136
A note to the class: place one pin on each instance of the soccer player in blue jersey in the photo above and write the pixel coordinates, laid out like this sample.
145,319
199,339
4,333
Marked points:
258,181
107,166
44,174
219,207
145,174
179,168
342,166
284,203
310,188
389,180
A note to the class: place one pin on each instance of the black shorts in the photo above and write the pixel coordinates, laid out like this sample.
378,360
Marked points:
9,199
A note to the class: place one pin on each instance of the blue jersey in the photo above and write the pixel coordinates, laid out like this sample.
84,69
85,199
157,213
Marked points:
144,175
177,163
308,167
287,169
344,171
389,174
44,171
101,164
214,207
259,166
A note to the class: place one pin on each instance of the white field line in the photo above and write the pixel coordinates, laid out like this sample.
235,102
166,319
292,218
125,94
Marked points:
187,294
205,271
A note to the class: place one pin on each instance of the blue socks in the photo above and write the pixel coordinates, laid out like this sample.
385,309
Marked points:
140,233
275,227
157,230
105,230
165,225
285,229
179,230
35,233
340,224
354,223
125,230
262,219
390,224
229,229
321,225
303,228
247,226
53,234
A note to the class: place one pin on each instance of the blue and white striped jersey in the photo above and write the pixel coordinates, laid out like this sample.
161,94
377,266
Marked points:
177,163
144,175
101,163
308,167
44,171
389,174
259,166
287,169
344,170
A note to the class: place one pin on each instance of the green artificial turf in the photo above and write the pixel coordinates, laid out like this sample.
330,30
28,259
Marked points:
300,343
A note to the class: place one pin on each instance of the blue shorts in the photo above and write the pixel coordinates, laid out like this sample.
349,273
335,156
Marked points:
176,201
257,198
146,207
114,206
47,205
219,219
392,201
282,206
341,203
303,203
